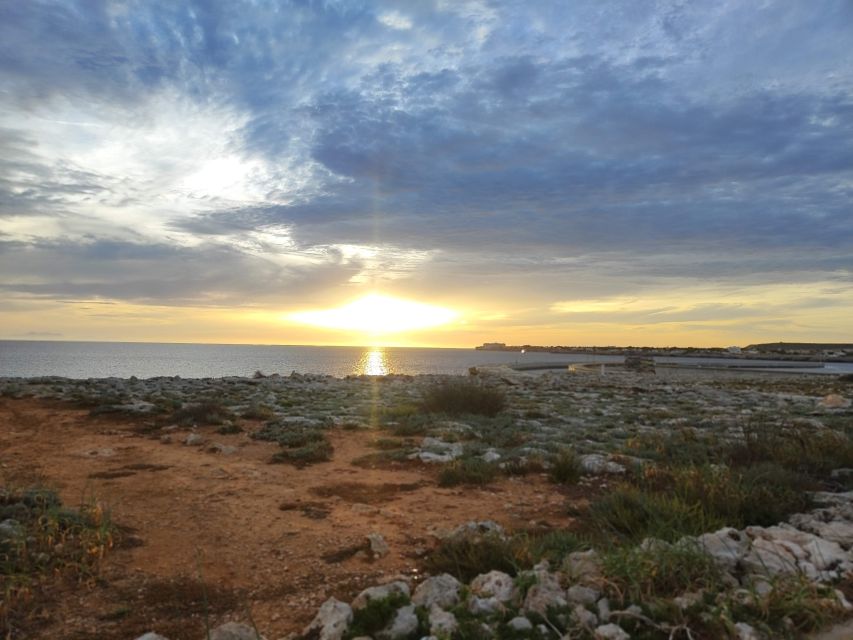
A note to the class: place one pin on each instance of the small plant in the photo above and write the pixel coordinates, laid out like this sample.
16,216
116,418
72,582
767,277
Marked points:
638,574
202,413
257,411
309,453
460,397
467,471
467,555
375,615
565,468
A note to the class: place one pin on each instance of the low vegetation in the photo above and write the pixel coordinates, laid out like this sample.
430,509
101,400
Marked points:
471,471
41,539
463,397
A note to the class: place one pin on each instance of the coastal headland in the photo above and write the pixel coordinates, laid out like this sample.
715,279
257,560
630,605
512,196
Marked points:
498,504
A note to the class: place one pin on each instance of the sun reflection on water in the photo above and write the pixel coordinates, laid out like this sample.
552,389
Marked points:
373,363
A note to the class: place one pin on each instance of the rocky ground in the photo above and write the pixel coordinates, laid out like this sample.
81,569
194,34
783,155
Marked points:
373,492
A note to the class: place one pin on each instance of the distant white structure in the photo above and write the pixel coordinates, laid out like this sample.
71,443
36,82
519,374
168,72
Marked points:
733,350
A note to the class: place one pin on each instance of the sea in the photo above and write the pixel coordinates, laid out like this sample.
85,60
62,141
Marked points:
25,358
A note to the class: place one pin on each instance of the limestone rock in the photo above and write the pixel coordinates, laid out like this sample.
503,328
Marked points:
484,606
234,631
578,594
442,623
746,632
598,464
404,624
378,546
151,636
611,632
194,440
727,546
11,529
584,616
495,584
834,401
544,594
379,593
442,591
520,623
331,622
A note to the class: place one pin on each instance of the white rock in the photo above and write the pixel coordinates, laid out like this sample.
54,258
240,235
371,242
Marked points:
495,584
520,623
834,401
332,620
583,567
611,632
603,607
584,616
746,632
546,593
440,590
234,631
379,593
484,606
404,624
442,623
727,546
378,546
598,464
578,594
151,636
194,440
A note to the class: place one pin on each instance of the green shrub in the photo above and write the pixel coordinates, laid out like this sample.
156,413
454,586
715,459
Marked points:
565,468
467,471
201,413
523,466
631,514
554,546
637,574
466,556
460,397
310,453
375,615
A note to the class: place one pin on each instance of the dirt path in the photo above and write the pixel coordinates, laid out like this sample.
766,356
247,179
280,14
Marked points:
270,541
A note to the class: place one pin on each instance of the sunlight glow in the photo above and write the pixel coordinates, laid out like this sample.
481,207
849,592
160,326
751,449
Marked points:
373,363
377,314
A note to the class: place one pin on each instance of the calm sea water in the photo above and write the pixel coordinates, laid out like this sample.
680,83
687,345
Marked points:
146,360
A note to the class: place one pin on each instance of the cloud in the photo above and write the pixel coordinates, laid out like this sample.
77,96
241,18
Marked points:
218,153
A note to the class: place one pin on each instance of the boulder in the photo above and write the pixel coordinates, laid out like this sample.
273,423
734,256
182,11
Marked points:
583,567
727,546
546,593
484,606
234,631
377,545
442,591
194,440
495,584
579,594
597,464
610,632
442,623
403,624
331,622
584,616
520,623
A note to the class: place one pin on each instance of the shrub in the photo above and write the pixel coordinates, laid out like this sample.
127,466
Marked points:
461,397
41,538
638,574
554,546
310,453
467,555
565,468
204,412
631,514
375,615
467,471
523,466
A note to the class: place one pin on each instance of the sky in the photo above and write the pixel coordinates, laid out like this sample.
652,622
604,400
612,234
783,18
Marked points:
560,173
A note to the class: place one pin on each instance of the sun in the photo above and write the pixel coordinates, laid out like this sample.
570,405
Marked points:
377,314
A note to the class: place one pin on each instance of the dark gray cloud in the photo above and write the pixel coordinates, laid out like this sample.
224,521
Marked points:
665,140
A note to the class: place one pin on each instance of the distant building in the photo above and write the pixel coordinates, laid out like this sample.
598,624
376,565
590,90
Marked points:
733,350
493,346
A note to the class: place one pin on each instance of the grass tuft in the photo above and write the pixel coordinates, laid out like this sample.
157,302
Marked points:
471,471
458,397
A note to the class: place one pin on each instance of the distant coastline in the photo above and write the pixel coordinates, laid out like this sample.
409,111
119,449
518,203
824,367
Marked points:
788,351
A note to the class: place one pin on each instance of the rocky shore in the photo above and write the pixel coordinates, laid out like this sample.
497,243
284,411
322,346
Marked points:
648,440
